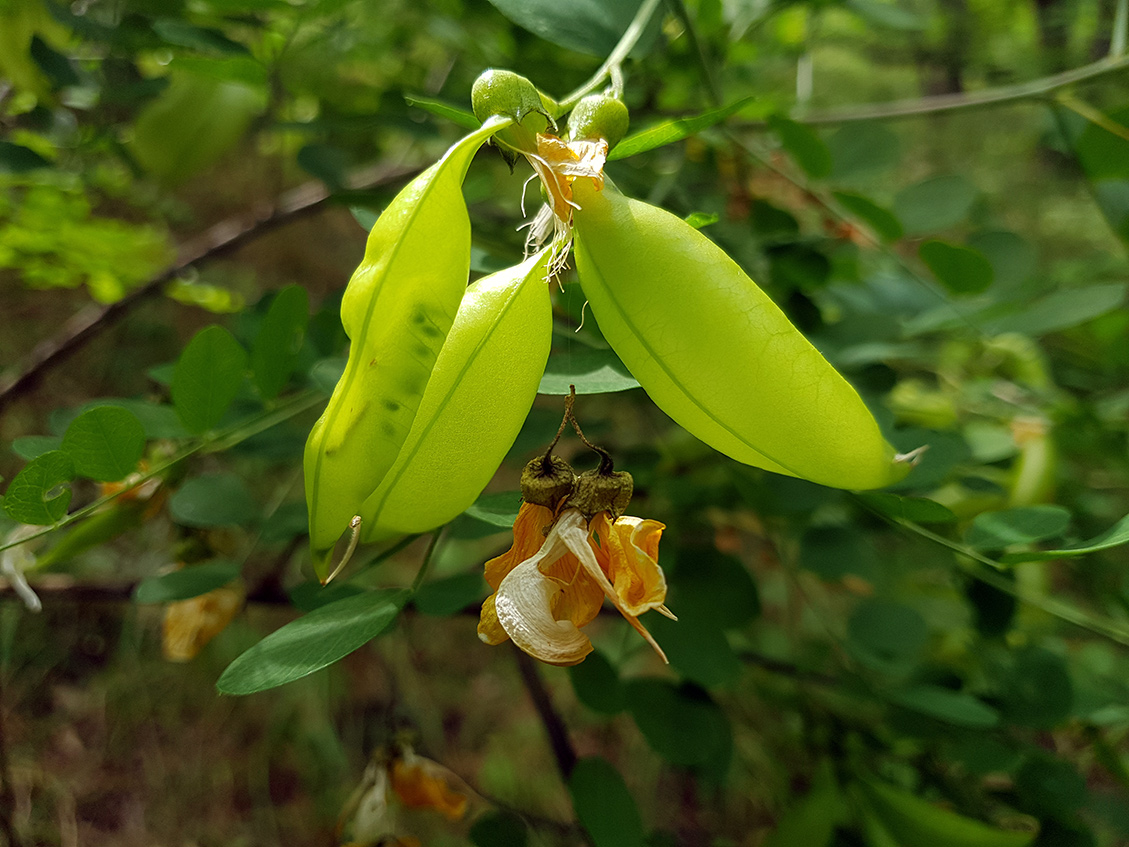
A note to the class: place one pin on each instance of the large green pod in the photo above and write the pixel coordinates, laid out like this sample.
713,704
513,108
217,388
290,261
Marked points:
715,353
484,382
397,311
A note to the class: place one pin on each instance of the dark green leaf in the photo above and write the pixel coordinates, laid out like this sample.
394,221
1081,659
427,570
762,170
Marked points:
307,596
944,704
17,159
55,65
205,39
862,148
218,499
934,204
1115,536
207,377
1024,525
811,821
1060,310
962,270
105,443
276,348
682,724
884,223
498,509
670,131
591,371
714,586
37,494
1013,258
451,595
457,116
886,635
587,26
312,642
327,163
804,145
499,829
697,648
186,583
326,373
604,806
289,521
1038,691
29,447
597,684
915,509
833,552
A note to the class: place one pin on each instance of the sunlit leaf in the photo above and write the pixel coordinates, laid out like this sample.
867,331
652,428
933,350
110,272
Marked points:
457,116
673,130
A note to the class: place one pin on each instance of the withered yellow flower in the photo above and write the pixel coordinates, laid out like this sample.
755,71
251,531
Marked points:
554,578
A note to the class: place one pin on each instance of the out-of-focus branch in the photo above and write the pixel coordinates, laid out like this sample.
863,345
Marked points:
563,751
220,240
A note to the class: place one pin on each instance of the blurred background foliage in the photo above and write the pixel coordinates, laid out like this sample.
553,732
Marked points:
936,191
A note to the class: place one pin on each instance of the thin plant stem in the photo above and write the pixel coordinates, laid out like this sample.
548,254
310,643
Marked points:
626,44
425,565
563,751
1117,41
1094,116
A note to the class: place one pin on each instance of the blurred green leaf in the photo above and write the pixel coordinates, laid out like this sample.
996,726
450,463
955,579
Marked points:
587,26
1060,310
313,642
29,447
944,704
1115,536
1037,692
711,585
206,39
681,723
275,351
325,162
216,499
888,13
804,145
702,219
597,684
498,509
499,829
591,371
38,494
604,806
1023,525
697,648
962,270
1013,258
934,204
105,443
186,583
833,552
862,148
916,509
810,822
886,635
54,64
454,114
17,159
208,375
884,223
673,130
448,596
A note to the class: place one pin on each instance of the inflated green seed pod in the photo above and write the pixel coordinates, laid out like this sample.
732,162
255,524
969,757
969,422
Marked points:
397,311
599,116
715,353
484,382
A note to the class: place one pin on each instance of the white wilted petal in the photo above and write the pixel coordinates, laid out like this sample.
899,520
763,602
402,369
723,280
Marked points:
524,607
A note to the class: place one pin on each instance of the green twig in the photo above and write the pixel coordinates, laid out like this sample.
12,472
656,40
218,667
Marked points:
626,44
1034,90
1094,116
425,565
223,439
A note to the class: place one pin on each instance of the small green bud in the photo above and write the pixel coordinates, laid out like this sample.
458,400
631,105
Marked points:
602,491
499,92
547,480
599,116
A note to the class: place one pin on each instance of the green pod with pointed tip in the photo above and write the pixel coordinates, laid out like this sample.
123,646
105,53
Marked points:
715,353
480,392
397,311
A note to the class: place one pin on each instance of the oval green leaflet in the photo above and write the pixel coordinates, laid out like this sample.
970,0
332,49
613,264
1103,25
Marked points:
715,353
483,385
397,311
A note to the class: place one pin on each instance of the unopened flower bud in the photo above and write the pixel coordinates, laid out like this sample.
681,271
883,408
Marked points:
598,116
500,92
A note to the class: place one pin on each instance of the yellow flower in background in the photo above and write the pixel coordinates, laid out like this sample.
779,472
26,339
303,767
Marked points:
554,578
190,624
